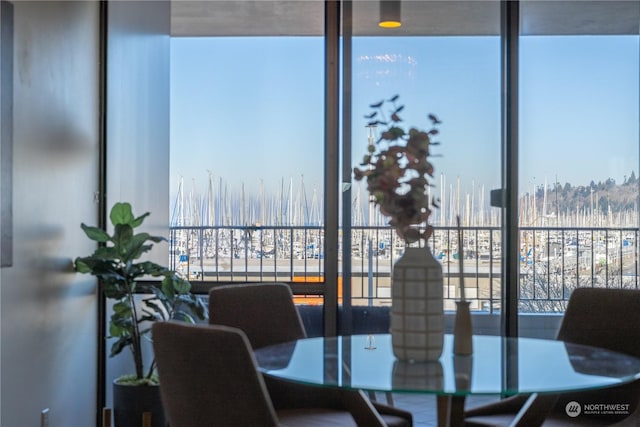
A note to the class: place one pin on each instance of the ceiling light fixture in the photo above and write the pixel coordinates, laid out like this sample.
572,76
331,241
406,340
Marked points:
390,14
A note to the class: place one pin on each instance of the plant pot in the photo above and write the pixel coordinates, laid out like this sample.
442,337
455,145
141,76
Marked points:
131,402
417,312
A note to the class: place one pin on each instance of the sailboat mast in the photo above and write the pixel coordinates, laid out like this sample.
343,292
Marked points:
211,214
182,201
263,207
443,200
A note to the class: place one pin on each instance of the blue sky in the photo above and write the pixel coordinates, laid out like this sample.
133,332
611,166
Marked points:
579,112
247,109
250,110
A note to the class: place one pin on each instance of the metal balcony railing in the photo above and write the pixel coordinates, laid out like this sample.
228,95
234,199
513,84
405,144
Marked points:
553,261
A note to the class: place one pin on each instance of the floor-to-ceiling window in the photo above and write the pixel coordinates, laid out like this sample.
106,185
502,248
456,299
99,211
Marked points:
247,137
578,155
444,60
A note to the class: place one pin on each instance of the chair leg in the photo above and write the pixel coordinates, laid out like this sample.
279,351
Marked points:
389,396
361,408
442,405
450,410
535,410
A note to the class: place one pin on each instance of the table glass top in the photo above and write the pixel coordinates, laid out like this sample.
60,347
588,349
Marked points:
498,365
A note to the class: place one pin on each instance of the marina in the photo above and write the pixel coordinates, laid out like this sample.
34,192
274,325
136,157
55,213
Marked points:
553,261
280,237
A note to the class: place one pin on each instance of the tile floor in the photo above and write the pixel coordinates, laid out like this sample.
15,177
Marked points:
423,407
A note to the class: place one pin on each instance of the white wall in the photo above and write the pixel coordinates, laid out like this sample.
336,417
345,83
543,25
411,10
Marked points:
48,313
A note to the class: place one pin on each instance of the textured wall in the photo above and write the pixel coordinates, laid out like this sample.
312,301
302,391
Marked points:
48,313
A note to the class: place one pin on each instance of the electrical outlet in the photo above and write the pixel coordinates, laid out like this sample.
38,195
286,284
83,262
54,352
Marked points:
44,418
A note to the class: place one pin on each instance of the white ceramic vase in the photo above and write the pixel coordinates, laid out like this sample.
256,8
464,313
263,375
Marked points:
417,313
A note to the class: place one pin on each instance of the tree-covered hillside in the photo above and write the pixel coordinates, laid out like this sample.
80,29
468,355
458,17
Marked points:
602,197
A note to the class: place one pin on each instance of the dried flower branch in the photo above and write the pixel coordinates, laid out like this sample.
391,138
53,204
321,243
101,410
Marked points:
397,171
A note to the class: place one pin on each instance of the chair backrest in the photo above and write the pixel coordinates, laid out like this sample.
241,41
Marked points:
603,317
606,318
208,376
264,311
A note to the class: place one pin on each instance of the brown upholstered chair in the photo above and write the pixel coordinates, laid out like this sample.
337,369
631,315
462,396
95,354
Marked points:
208,377
268,316
606,318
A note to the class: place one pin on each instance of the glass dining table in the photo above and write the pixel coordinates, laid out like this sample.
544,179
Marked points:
498,366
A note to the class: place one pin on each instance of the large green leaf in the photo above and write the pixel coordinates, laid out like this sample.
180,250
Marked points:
115,291
140,250
92,262
112,277
136,222
106,270
95,233
124,322
122,309
119,329
167,287
120,345
136,246
148,268
81,266
181,285
106,252
115,330
121,214
157,239
121,237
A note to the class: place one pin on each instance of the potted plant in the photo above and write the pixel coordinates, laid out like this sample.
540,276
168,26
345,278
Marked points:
116,262
397,171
